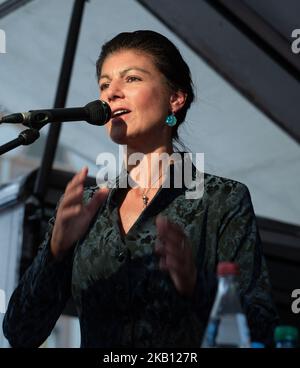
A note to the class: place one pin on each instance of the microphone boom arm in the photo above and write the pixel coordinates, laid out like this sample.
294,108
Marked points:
25,138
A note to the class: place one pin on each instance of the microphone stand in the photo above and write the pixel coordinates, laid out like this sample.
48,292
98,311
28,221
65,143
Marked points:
25,138
44,172
34,206
35,203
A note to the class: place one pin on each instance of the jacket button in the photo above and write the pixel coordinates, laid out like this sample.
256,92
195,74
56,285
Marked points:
122,256
125,253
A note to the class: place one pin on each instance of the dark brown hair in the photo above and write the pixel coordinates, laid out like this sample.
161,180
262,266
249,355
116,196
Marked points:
167,59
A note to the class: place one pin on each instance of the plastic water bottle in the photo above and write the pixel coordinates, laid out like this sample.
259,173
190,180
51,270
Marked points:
286,337
227,325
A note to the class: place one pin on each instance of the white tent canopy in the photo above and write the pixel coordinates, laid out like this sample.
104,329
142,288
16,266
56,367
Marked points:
238,140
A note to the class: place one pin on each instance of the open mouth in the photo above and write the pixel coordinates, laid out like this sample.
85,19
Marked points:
120,112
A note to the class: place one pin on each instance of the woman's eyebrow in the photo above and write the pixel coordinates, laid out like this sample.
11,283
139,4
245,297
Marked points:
123,72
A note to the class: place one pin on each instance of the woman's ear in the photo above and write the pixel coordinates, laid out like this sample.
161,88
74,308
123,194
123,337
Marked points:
177,100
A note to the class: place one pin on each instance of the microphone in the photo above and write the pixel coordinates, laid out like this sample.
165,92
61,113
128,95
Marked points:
96,112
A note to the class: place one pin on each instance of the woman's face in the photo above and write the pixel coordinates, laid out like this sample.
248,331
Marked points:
139,98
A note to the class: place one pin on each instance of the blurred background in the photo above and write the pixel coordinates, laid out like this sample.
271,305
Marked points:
245,118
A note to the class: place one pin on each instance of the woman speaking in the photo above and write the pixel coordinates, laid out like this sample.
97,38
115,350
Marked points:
140,260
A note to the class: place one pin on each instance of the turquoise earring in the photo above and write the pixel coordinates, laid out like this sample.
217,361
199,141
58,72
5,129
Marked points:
171,120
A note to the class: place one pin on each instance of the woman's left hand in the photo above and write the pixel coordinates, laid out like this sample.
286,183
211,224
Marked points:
174,249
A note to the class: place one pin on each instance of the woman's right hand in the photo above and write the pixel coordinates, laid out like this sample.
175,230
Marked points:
73,217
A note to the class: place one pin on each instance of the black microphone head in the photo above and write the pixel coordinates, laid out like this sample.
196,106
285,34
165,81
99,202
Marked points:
99,112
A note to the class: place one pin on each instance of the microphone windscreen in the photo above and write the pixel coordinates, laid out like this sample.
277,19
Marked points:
99,112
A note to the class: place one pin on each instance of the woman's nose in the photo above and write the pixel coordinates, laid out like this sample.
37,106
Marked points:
114,91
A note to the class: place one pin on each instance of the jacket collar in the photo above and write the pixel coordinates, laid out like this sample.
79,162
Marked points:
182,178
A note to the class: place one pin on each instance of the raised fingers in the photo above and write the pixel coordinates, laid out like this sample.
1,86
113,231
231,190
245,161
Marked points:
73,197
176,265
71,212
74,190
98,198
77,179
167,229
175,255
171,235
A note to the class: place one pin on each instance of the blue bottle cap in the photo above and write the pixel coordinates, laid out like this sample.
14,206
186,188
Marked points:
257,345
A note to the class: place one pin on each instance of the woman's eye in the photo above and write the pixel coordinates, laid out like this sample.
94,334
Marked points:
103,86
132,79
